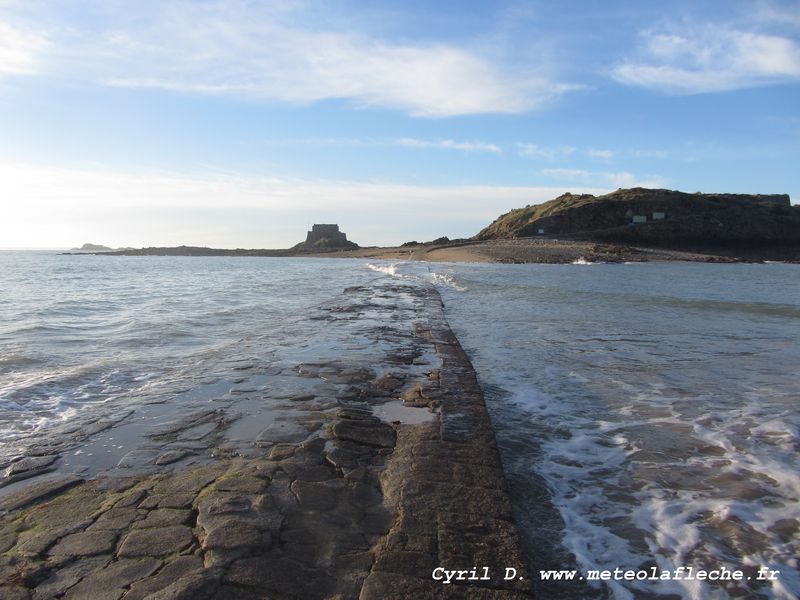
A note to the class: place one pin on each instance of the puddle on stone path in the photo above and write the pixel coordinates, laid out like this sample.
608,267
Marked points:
408,415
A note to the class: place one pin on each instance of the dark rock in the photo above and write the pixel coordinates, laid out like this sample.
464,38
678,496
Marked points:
7,541
170,456
356,414
28,467
131,499
105,583
370,434
172,572
199,585
14,593
280,575
66,577
313,495
342,459
282,451
705,219
232,534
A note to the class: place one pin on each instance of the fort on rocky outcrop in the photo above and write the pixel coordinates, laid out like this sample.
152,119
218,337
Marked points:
326,237
330,233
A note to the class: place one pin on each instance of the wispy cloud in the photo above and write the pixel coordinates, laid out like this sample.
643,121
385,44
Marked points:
777,13
404,142
283,52
540,152
469,146
20,50
566,173
617,179
710,58
649,153
604,154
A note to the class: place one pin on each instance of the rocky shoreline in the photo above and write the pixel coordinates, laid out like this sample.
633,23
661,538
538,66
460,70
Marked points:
534,250
347,468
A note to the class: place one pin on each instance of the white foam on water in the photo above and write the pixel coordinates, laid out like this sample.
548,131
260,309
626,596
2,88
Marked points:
390,269
447,280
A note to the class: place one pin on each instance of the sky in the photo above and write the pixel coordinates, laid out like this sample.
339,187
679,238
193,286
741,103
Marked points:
239,123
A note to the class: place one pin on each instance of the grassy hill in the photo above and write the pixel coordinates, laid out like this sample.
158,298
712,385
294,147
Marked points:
657,217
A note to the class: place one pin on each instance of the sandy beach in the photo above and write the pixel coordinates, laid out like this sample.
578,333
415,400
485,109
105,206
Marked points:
559,251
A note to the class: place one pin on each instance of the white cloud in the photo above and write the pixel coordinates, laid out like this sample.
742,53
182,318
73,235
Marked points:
471,146
711,59
20,50
56,206
616,179
566,173
650,153
290,53
604,154
624,179
539,152
405,142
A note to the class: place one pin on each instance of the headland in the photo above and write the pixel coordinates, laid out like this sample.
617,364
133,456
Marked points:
628,225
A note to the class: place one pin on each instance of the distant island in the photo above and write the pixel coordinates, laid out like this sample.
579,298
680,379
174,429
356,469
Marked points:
637,224
96,249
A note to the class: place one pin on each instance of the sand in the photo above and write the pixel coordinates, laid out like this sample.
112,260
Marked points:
535,250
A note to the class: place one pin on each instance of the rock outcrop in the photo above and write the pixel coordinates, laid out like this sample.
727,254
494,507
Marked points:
325,237
657,217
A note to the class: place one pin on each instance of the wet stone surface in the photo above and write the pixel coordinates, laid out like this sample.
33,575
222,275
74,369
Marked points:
303,478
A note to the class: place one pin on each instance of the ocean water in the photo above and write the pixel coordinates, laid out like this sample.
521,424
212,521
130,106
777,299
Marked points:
82,334
647,414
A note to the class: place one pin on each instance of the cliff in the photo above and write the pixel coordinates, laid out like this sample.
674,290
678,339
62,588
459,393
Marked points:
657,217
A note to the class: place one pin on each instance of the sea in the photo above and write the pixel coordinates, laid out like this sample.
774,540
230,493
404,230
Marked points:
647,414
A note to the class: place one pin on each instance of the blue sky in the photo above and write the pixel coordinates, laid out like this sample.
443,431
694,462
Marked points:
238,123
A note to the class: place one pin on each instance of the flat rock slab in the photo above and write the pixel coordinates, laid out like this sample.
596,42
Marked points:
113,579
233,534
170,456
28,467
117,519
164,517
177,569
156,542
282,432
366,432
87,543
65,578
38,490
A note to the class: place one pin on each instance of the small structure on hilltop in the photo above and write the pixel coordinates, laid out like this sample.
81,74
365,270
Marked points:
324,237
